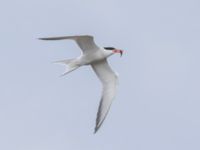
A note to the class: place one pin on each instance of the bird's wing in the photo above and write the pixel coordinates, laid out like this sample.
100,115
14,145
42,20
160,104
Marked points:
85,42
109,81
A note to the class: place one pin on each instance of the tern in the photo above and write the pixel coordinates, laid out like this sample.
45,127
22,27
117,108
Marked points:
96,57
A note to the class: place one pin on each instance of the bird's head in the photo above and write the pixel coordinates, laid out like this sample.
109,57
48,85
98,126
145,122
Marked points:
114,50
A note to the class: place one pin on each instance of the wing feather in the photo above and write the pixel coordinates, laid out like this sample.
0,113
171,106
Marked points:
85,42
109,81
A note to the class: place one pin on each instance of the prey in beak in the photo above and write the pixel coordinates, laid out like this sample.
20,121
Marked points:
118,51
114,50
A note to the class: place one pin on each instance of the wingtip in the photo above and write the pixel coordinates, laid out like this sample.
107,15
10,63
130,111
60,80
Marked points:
41,38
95,130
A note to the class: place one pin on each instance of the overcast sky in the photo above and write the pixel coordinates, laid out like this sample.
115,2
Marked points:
158,99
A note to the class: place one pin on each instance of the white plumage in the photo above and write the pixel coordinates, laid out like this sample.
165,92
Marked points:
97,58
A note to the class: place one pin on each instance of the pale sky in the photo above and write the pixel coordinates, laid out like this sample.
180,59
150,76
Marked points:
158,99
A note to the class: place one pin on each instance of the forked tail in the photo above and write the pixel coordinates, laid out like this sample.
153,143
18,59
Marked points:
70,65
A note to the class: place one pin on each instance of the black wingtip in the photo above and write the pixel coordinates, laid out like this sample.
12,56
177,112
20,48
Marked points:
41,38
95,130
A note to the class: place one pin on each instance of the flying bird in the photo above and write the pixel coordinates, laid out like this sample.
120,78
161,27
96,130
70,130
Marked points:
96,57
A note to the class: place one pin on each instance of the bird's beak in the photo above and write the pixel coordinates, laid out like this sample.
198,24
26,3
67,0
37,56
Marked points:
118,51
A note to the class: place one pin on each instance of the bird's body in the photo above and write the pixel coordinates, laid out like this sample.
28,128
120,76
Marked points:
97,58
87,59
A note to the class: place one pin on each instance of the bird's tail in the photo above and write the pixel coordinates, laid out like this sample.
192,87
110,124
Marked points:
70,65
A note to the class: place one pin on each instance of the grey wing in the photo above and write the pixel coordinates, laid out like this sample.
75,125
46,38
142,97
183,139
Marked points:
109,81
85,42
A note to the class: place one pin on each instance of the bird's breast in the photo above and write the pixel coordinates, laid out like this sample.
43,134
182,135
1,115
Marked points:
91,58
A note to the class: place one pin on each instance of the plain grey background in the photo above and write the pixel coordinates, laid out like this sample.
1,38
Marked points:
157,105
